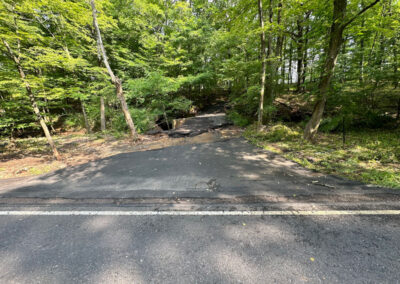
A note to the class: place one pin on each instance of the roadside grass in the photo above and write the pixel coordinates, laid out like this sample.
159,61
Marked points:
370,156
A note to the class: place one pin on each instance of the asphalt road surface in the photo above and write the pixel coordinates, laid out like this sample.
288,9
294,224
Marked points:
214,249
223,212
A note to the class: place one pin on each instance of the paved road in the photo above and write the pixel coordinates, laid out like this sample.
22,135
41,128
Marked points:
227,176
175,249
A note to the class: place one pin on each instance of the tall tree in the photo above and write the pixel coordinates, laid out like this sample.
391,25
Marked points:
339,23
263,63
16,58
114,79
15,30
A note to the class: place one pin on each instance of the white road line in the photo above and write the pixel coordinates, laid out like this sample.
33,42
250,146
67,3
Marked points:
202,213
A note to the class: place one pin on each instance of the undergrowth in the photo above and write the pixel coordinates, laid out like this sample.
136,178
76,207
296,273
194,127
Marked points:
370,156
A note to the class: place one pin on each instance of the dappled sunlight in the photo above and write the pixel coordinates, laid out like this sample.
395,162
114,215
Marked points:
229,168
249,157
233,266
222,249
366,156
121,273
98,224
250,176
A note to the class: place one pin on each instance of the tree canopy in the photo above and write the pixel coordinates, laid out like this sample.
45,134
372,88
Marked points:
323,62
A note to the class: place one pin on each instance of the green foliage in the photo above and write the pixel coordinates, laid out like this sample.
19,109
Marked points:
368,156
330,123
144,120
274,133
238,119
159,93
171,55
74,122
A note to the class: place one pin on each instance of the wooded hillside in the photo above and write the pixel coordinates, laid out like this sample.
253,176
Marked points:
128,65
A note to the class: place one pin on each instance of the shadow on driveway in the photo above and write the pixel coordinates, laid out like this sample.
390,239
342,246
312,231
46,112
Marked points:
220,169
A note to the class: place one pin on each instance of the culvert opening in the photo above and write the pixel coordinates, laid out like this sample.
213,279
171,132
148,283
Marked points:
164,125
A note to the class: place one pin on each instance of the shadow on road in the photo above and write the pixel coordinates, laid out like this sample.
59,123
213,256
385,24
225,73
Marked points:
228,168
198,249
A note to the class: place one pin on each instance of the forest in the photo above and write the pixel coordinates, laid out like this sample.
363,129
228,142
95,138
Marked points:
129,66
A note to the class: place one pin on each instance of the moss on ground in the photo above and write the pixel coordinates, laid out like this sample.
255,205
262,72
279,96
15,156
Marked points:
371,156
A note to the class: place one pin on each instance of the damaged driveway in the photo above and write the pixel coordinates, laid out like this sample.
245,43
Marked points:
230,168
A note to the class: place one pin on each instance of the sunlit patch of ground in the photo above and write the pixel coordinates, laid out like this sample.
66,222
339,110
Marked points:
31,156
368,156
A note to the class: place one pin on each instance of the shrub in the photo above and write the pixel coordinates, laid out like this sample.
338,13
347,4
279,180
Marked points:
275,133
238,119
281,132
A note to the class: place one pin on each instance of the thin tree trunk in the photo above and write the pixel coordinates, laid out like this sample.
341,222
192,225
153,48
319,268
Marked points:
49,117
344,64
46,111
33,102
300,44
102,105
398,110
395,66
114,79
361,62
85,118
102,115
166,117
283,62
263,65
305,58
361,79
269,88
290,63
47,120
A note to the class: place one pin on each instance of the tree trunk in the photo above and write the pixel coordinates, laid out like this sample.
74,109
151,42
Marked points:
344,64
102,105
33,102
85,118
125,109
398,110
166,117
269,88
395,67
102,115
361,62
300,44
290,64
263,65
305,58
114,79
283,62
335,41
48,112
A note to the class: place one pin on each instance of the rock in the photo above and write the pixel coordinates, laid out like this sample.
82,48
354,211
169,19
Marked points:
154,131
